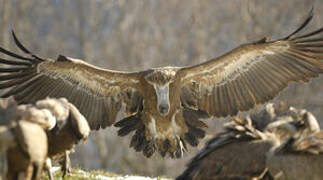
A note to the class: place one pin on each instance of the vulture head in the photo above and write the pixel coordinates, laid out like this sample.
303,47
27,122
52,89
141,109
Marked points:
43,117
57,107
160,79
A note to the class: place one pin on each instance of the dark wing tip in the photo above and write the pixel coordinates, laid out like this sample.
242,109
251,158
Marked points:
17,42
23,48
307,20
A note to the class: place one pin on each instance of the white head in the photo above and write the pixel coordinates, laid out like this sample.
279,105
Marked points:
160,79
163,104
58,108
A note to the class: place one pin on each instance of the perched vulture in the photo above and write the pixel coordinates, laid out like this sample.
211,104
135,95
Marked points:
164,105
301,157
28,157
26,143
71,128
240,152
64,127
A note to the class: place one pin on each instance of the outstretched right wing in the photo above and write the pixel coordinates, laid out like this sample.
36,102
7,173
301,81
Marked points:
96,92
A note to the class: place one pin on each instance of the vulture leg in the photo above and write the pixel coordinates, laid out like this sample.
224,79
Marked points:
48,167
28,173
66,163
36,171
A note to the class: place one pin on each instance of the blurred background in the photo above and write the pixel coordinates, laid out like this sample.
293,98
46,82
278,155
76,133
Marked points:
136,35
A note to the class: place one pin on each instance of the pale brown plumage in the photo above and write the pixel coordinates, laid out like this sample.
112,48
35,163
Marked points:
241,151
301,157
157,99
59,123
71,129
27,158
26,141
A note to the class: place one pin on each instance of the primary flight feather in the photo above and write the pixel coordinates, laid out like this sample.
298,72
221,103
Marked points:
164,105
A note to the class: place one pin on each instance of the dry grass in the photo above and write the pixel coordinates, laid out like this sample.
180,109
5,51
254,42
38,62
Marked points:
79,174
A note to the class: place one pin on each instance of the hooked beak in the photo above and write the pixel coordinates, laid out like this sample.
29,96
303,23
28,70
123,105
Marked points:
163,109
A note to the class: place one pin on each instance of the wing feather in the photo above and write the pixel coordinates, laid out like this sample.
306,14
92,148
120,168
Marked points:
213,102
253,73
257,90
96,92
233,98
20,87
218,98
94,112
241,90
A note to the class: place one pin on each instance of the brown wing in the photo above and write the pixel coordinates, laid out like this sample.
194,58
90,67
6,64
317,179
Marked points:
97,93
252,74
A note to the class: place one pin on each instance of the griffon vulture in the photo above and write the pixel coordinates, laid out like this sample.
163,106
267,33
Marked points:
301,157
61,127
71,128
26,142
164,105
241,151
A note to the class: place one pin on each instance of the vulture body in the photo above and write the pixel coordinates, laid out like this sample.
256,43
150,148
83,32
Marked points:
25,142
71,128
164,105
27,159
50,128
243,150
301,157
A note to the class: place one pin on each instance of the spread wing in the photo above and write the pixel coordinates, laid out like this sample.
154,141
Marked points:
96,92
252,74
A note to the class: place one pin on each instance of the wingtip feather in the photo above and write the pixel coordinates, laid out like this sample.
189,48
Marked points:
17,42
305,23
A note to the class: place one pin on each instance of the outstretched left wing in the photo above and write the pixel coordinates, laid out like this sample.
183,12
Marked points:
252,73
